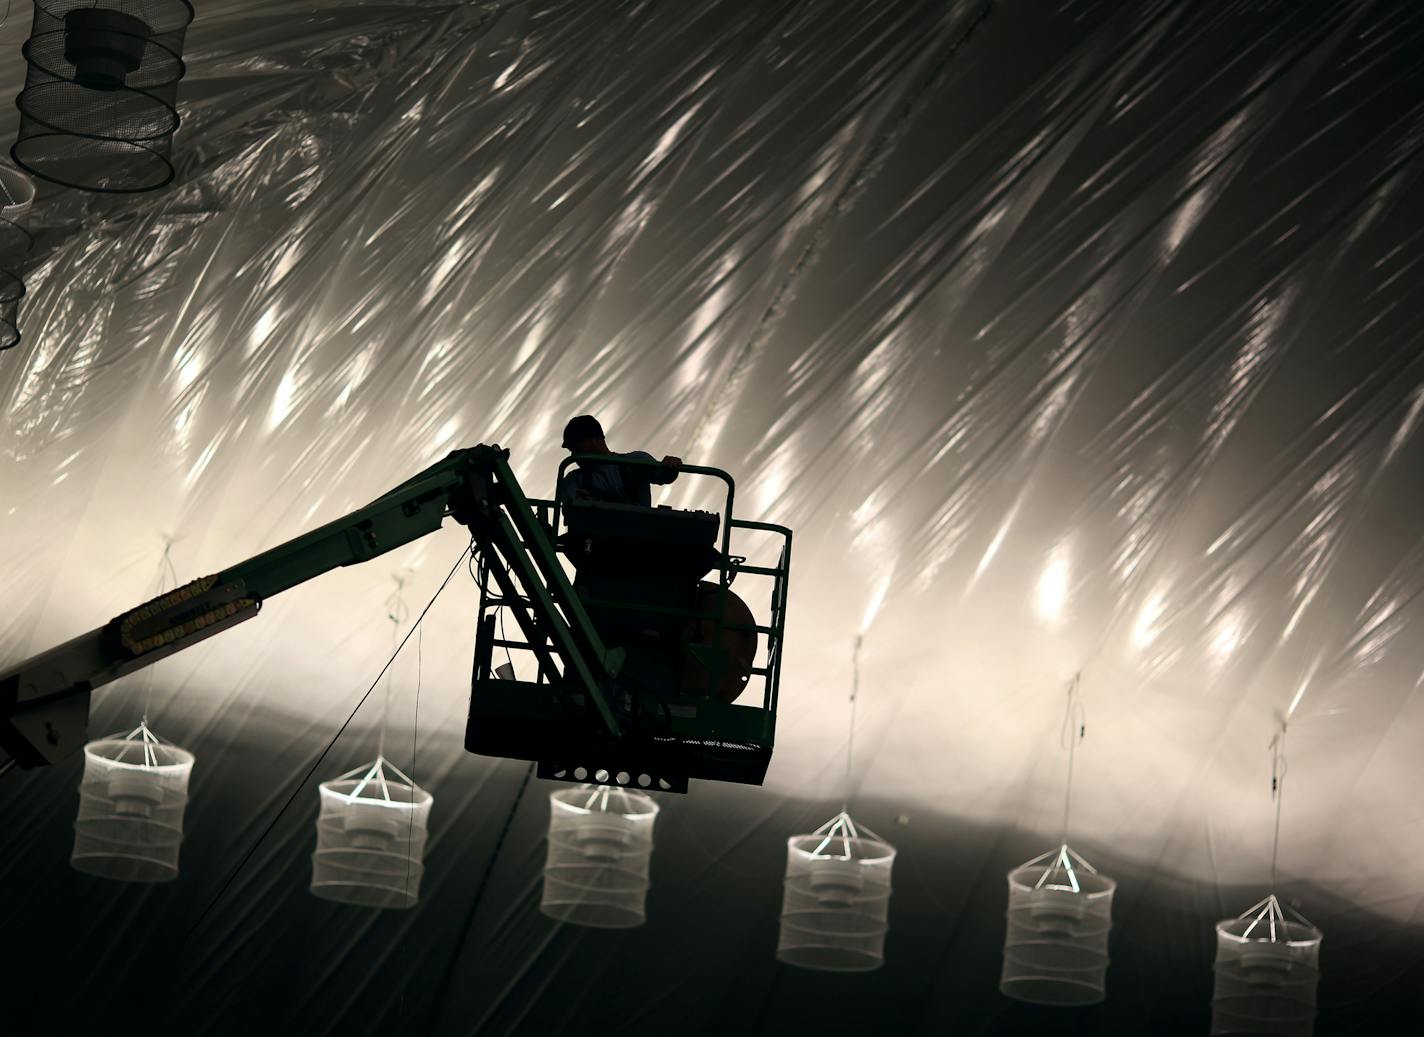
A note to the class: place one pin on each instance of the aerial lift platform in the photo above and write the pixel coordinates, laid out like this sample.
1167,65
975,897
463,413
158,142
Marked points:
626,674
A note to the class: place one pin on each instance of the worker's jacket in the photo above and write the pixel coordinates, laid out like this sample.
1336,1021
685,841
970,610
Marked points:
615,483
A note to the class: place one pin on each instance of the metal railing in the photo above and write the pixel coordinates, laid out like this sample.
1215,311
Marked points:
549,512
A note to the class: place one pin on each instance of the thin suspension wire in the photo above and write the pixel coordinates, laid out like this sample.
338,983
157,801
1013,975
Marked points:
850,736
1075,726
410,814
397,612
166,572
438,1002
296,790
1278,779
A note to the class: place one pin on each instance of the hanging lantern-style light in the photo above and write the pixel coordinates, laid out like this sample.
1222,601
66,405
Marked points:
131,803
1267,971
1267,964
600,849
1060,909
836,898
370,837
98,110
17,194
1059,918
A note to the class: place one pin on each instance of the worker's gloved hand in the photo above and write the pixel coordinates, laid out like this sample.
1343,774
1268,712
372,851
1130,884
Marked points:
672,462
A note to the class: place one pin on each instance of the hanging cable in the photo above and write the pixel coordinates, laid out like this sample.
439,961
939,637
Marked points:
301,784
1278,778
850,735
1075,726
479,579
397,612
437,1002
410,820
925,74
161,586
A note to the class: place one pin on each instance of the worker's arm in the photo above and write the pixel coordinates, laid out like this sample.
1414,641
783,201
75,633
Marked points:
656,472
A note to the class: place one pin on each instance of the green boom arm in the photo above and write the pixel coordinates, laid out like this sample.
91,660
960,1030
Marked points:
44,701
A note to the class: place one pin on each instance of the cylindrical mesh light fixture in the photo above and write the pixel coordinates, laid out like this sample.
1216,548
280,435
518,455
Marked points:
836,898
17,194
1267,970
1056,943
98,108
600,848
370,837
131,802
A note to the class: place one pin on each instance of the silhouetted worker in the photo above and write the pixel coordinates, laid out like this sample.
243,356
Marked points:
635,570
612,483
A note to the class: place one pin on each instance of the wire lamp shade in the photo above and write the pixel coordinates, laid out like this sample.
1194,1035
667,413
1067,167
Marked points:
1267,971
370,837
98,108
600,849
17,194
1059,918
836,898
131,803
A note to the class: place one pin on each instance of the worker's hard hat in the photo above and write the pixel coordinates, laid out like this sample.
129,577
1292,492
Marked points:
585,426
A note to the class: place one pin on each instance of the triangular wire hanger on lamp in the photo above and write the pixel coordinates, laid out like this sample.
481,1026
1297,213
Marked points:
837,886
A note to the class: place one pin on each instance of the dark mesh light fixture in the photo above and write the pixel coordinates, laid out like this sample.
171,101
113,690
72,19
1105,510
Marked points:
17,192
97,111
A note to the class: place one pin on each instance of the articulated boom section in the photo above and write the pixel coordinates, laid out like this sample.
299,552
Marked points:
44,701
620,689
